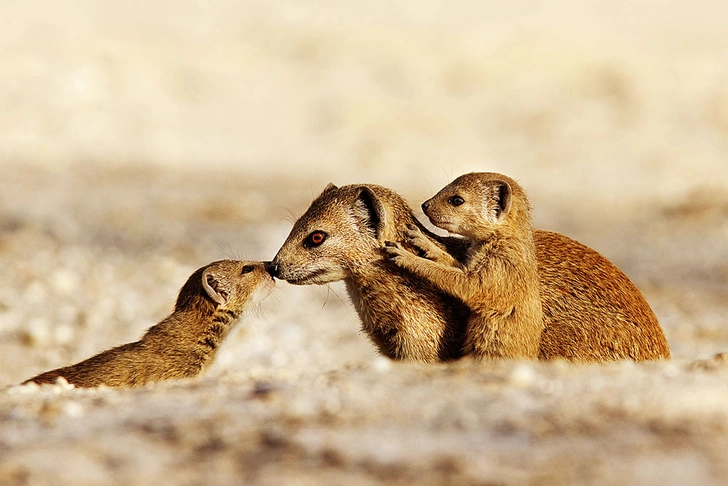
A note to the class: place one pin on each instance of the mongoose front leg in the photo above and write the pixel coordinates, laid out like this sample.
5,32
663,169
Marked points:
452,280
427,248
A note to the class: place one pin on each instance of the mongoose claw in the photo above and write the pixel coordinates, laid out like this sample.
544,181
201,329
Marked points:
419,241
412,232
416,238
393,250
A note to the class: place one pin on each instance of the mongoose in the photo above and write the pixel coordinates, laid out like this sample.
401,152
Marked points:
592,311
185,343
498,280
339,238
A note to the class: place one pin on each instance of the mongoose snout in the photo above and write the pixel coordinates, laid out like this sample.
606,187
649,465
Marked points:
185,343
272,268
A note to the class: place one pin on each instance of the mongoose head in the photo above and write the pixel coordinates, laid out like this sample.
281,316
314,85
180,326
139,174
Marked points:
226,284
340,234
476,204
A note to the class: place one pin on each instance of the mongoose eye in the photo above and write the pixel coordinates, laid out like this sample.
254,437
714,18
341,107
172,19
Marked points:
315,239
455,201
247,269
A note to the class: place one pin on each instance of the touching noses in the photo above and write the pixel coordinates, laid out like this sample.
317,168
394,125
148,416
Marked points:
272,268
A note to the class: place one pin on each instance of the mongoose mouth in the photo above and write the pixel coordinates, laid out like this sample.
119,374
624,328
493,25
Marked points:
310,278
294,276
436,219
445,224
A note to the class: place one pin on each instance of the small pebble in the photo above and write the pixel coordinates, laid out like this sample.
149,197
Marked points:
72,409
522,375
64,281
61,385
381,364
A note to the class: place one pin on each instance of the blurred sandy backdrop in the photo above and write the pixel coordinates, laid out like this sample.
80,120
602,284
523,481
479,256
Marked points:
141,140
613,100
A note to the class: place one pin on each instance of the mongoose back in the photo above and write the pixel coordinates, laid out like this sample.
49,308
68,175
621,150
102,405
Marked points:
186,342
498,280
592,312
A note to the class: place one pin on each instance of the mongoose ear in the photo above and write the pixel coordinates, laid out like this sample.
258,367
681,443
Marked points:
500,199
370,211
213,288
329,187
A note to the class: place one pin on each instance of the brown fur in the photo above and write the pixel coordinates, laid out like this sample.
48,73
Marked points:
406,318
592,312
185,343
498,280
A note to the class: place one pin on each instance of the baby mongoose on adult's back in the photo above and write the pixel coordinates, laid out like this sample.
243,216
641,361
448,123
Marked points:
498,280
591,310
185,343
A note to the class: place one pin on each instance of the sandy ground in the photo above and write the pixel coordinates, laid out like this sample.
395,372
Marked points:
140,142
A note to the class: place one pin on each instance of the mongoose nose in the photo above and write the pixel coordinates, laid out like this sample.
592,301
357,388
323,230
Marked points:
272,268
425,205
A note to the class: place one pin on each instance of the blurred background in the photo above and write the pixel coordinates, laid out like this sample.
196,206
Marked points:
614,100
141,140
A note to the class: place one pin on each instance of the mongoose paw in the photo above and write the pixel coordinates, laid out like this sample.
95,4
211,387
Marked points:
413,231
419,241
392,248
415,237
394,251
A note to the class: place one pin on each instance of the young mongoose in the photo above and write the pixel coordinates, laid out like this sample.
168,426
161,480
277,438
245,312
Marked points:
498,280
185,343
592,311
